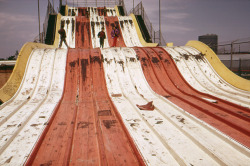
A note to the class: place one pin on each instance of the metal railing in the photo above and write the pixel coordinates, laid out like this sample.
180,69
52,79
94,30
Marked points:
94,3
240,67
50,10
236,47
155,36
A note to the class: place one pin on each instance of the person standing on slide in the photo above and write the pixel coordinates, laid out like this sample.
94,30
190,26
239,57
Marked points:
115,34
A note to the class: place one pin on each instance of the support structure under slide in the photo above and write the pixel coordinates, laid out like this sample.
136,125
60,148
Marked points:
162,134
86,128
25,116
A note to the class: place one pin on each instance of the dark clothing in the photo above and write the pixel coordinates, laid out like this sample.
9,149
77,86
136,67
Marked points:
115,34
63,37
102,36
62,33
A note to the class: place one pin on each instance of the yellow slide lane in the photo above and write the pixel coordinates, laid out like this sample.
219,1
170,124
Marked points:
219,67
13,83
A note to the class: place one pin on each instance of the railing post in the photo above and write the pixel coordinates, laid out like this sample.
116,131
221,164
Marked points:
39,21
231,58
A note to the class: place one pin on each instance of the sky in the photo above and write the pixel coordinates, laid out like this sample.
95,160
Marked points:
181,20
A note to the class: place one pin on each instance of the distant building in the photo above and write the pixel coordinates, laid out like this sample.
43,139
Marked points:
211,40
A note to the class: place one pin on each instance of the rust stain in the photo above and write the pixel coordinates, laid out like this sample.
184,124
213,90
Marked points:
82,125
155,60
109,123
104,113
84,64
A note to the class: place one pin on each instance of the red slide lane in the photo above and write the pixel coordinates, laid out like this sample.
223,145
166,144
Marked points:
161,82
82,11
110,22
101,11
83,34
86,129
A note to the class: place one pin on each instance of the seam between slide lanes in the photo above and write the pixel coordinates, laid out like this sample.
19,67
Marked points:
208,81
187,128
32,113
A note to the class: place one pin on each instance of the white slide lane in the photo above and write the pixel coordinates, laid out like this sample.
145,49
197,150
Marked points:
129,33
96,24
25,117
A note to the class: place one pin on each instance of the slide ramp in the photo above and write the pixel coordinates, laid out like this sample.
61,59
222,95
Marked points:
83,32
165,79
161,134
200,75
86,128
219,67
26,115
129,33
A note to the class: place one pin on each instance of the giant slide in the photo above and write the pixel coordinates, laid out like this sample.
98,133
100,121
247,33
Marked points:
80,106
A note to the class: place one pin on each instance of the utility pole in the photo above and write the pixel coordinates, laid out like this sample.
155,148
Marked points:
159,21
231,58
39,21
133,7
53,6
